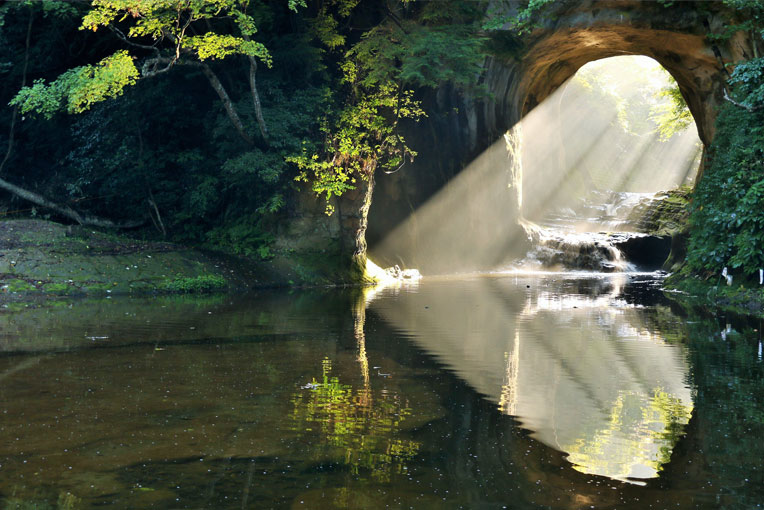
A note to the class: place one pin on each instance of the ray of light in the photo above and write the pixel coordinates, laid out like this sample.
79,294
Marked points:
594,134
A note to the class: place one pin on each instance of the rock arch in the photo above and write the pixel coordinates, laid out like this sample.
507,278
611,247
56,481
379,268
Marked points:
675,37
524,71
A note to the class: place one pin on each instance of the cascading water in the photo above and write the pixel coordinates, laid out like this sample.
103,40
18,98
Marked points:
589,187
609,211
555,249
590,235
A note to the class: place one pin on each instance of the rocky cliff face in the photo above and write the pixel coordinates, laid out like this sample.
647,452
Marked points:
522,72
674,36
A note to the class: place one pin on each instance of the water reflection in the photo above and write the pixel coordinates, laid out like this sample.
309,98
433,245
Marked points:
361,427
224,403
583,369
213,404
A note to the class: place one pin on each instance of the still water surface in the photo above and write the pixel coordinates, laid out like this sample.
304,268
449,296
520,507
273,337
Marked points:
560,391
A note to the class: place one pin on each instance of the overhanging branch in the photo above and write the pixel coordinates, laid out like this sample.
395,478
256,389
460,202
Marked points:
151,67
741,105
124,39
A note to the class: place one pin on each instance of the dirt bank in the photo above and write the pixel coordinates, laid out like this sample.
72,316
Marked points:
44,258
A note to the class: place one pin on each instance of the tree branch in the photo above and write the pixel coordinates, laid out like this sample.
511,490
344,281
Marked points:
124,39
94,221
149,69
256,95
741,105
390,14
158,223
150,66
227,103
256,99
754,44
64,210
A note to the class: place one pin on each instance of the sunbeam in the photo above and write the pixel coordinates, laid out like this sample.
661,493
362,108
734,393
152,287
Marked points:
594,144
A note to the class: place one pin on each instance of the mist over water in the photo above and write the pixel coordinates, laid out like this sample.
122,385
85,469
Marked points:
575,166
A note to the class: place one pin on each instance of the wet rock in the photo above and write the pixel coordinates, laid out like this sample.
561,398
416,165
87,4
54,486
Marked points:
663,214
397,273
645,251
555,249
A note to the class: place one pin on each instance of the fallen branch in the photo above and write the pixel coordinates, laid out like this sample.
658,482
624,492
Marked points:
65,210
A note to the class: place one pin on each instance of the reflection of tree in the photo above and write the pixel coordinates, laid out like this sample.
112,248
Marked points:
642,431
360,424
508,398
674,415
66,501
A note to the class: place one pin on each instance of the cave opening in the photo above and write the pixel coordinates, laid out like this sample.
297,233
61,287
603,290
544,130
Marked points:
589,160
618,126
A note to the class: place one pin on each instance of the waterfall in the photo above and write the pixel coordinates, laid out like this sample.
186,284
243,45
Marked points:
594,235
513,140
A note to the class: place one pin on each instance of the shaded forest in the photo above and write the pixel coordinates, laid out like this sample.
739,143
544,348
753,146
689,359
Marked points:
196,120
201,122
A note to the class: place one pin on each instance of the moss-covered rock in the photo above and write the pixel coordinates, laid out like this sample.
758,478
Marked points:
42,257
60,289
197,284
663,215
13,285
45,257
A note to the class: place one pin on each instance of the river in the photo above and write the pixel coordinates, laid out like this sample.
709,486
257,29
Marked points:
508,390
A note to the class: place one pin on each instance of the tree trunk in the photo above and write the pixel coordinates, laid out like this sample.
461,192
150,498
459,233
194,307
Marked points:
256,99
148,70
256,95
227,103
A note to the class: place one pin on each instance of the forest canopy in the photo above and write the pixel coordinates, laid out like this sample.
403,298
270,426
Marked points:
199,120
199,116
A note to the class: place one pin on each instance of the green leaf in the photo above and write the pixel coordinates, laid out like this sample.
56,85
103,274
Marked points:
78,89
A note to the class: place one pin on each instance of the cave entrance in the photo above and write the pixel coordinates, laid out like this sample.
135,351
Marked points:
614,134
576,166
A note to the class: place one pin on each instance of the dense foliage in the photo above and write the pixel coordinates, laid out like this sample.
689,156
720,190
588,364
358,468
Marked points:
196,118
672,116
434,43
163,149
727,221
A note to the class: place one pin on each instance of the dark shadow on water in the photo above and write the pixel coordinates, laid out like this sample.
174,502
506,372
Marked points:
394,400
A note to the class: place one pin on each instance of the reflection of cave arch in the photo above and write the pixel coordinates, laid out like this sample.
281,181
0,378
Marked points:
584,372
524,71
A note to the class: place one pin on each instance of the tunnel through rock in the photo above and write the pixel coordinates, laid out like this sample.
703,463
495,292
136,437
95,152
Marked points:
464,135
591,153
594,155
